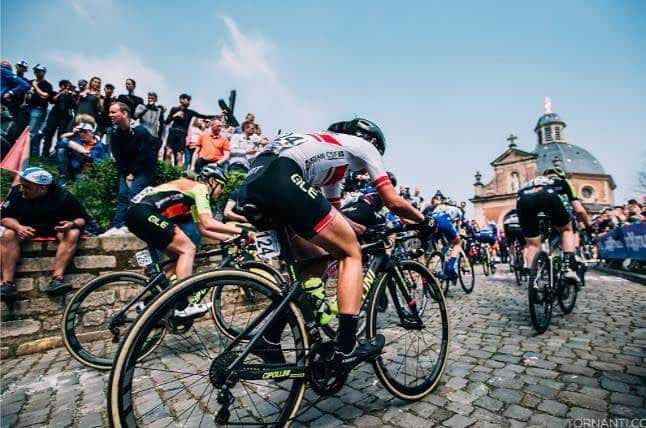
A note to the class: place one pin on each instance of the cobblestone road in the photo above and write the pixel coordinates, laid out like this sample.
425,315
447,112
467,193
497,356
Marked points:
588,365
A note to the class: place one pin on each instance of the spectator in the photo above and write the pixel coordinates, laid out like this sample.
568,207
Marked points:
38,98
60,116
617,216
417,200
151,116
194,131
243,147
107,99
89,101
78,149
180,118
212,147
633,212
130,99
81,86
133,149
18,107
21,69
38,207
12,87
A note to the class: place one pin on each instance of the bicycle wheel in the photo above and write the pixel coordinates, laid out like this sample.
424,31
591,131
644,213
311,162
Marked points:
540,294
182,382
435,265
230,306
466,275
486,262
414,356
92,309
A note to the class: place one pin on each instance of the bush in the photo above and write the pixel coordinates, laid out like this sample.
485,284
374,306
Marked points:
235,180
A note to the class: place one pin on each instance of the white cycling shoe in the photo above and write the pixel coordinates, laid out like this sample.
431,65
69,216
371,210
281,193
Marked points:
193,310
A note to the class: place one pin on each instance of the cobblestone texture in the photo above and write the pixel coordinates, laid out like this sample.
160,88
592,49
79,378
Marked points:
589,364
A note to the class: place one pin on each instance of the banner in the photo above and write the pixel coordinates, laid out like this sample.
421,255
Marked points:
626,242
17,157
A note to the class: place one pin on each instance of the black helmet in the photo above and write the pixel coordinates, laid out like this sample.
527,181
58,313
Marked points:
554,170
363,128
213,170
392,178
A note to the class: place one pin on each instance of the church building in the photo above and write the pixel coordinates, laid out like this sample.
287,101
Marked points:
514,166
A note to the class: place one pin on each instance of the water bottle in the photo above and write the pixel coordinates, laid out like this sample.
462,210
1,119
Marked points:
324,311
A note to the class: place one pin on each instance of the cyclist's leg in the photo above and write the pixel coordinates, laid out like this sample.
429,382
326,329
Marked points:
562,221
528,208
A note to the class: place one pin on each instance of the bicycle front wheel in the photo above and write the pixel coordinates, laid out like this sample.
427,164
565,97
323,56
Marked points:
187,380
465,273
435,265
566,295
415,354
540,293
92,327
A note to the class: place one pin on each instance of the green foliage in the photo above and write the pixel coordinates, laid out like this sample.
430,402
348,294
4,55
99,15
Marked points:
235,180
97,189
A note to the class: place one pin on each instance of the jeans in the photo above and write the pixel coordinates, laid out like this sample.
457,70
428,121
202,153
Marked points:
36,119
125,194
188,157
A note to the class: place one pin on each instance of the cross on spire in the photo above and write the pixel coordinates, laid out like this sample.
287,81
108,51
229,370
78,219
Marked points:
512,140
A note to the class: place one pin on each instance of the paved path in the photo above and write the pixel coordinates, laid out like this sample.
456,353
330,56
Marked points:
588,365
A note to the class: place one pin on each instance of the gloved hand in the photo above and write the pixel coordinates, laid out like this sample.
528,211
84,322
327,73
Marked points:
430,223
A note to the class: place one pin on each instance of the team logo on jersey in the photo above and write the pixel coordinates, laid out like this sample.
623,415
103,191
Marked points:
302,184
314,159
338,154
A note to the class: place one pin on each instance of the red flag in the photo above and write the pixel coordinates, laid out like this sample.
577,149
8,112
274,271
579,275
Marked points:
17,158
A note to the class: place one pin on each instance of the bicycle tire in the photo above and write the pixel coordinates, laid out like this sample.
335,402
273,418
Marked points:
224,315
85,310
465,269
428,367
485,262
185,366
435,265
540,294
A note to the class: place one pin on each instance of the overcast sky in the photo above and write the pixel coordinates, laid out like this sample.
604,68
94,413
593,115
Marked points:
446,82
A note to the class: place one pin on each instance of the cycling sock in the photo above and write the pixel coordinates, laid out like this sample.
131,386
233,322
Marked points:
346,337
568,260
451,264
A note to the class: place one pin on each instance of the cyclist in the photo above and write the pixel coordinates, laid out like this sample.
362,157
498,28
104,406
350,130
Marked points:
173,216
447,216
365,210
514,234
283,185
552,194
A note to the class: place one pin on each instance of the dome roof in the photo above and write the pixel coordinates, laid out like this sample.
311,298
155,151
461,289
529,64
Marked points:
574,159
549,118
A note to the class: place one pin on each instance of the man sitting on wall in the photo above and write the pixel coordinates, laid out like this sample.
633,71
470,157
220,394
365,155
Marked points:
38,207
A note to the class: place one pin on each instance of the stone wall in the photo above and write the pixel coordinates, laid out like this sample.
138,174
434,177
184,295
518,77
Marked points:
34,323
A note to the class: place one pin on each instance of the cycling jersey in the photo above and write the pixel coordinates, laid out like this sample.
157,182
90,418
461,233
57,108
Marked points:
177,199
454,213
560,186
552,196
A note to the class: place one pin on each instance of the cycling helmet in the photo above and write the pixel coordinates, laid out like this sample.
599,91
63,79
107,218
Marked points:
363,128
212,170
392,178
554,170
451,202
439,194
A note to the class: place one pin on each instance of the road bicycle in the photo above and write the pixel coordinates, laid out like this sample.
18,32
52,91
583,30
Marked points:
436,263
516,263
97,315
205,376
546,281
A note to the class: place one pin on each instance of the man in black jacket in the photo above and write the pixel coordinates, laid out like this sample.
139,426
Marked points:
180,118
134,152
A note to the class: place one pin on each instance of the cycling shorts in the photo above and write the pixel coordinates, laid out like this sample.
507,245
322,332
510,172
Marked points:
275,185
513,232
156,230
361,212
530,205
446,226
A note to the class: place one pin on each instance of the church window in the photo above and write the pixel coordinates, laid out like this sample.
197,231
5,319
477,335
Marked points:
587,192
515,181
557,133
548,134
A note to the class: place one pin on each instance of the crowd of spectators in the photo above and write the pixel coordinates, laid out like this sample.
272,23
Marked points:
632,212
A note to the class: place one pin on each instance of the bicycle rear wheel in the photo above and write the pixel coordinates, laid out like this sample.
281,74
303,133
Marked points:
182,382
540,293
414,357
91,312
435,265
465,273
486,262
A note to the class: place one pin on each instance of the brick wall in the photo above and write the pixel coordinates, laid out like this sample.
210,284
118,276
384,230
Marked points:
34,324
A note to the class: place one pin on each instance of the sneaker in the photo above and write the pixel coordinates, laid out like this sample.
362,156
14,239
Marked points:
365,350
570,275
58,285
8,292
113,231
269,352
193,310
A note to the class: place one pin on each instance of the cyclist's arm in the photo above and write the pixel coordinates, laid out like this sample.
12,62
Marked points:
580,212
230,214
211,228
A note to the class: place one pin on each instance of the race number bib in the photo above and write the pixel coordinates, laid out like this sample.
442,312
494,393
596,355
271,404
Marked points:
141,195
144,258
267,244
284,142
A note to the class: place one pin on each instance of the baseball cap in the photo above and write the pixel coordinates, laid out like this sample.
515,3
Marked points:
40,67
85,126
36,175
23,63
154,94
187,96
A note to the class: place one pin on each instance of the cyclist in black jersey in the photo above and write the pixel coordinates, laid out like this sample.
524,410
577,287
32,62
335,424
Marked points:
552,194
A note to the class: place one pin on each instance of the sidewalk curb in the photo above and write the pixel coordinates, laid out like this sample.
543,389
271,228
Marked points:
641,279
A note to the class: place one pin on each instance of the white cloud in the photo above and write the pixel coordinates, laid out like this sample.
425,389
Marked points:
245,62
115,68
